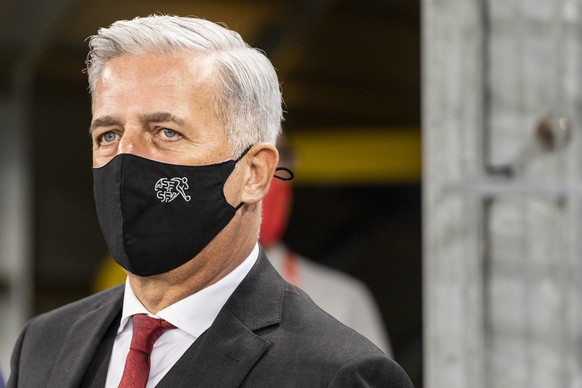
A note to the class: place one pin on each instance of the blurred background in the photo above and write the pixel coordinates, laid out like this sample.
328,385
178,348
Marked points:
350,74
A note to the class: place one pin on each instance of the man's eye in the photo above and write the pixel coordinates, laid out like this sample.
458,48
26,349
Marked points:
169,133
108,137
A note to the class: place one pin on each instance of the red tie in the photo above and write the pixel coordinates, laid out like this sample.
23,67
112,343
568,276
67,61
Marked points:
146,330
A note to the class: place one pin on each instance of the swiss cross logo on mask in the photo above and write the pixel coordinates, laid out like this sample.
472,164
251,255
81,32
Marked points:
167,189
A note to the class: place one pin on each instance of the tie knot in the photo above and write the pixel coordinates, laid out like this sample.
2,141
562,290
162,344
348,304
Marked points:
146,330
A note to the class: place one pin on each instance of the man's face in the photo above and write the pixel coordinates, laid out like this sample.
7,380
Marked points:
158,107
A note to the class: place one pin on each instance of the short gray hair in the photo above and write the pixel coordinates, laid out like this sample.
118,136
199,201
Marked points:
249,99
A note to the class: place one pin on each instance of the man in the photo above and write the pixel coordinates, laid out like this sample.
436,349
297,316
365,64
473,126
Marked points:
185,117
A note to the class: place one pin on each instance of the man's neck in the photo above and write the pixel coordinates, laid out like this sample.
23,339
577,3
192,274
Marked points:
160,291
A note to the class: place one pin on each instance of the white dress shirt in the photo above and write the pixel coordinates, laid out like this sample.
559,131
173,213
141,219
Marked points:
191,316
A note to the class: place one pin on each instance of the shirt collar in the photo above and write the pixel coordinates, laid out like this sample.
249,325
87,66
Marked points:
195,313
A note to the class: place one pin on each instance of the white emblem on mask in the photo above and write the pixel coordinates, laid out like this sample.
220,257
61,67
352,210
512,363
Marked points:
168,189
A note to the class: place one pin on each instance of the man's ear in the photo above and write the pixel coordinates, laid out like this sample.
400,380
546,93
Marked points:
262,161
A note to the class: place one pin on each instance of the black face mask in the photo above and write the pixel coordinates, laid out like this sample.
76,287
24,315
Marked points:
157,216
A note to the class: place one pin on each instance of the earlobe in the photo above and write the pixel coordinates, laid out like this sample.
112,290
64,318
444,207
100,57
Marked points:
262,162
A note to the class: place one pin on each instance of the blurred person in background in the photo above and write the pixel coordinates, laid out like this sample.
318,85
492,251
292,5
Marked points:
185,119
344,297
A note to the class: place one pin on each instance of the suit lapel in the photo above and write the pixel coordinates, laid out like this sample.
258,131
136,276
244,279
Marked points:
221,357
227,351
83,339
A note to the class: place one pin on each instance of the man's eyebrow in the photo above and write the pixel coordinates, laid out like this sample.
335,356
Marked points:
156,117
104,121
160,117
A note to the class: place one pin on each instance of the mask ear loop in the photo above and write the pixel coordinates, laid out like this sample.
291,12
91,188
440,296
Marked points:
236,161
243,154
290,174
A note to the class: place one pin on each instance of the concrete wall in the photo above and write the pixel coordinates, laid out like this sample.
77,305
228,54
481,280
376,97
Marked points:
502,208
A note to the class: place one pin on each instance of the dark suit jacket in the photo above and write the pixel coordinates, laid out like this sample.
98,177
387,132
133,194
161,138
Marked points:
269,334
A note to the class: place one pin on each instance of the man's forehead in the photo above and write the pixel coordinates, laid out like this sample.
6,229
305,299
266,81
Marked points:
201,64
136,74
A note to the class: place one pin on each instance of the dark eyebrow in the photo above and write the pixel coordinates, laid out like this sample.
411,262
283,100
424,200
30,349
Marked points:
104,121
160,117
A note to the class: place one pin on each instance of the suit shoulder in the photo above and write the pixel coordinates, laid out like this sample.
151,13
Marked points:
71,312
327,352
323,330
41,341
